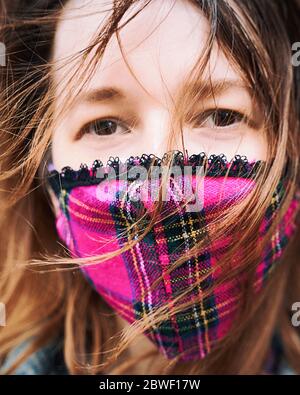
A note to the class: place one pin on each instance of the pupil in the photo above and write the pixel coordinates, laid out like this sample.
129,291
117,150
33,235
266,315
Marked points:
104,127
223,118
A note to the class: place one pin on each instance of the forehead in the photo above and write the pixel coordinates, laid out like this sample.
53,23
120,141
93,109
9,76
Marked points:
162,43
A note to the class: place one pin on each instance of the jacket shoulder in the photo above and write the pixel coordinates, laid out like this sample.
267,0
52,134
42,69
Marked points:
47,360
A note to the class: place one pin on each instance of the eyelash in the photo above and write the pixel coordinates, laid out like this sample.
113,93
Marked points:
203,117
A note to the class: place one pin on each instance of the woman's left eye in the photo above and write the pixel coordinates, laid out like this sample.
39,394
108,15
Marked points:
219,118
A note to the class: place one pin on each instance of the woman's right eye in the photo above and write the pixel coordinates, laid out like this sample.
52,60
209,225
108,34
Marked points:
105,127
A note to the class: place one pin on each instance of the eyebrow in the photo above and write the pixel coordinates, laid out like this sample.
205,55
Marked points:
108,93
206,89
211,88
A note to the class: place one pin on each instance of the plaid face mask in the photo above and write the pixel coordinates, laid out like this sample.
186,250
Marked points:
100,213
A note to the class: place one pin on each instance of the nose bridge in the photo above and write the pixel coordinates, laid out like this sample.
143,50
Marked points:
158,132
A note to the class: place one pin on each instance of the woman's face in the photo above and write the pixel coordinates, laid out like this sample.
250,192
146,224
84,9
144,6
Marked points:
117,114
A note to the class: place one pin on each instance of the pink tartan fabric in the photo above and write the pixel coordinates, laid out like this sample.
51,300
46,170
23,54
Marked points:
93,222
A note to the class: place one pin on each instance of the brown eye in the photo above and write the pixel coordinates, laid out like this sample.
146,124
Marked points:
223,118
102,127
220,118
105,127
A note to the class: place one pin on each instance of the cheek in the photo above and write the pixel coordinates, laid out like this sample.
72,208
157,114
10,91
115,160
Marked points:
62,153
67,152
251,143
256,145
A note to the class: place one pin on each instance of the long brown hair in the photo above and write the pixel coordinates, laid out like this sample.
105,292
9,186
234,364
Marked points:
45,295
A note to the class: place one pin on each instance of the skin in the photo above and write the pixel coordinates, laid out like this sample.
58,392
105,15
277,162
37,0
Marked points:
161,57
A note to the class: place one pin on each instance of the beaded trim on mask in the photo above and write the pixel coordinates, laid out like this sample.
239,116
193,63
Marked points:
214,166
